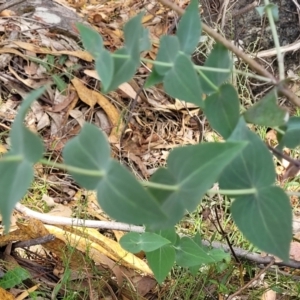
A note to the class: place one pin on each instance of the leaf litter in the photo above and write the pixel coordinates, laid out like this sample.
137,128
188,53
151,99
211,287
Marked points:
33,54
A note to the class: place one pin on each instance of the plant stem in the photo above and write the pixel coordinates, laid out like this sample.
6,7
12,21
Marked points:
76,170
9,158
275,38
217,70
160,186
250,191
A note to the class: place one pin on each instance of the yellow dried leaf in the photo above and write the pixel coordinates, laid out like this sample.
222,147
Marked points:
36,49
2,149
95,249
91,97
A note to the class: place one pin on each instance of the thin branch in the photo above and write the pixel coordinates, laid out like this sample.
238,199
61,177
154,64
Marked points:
251,281
48,219
38,241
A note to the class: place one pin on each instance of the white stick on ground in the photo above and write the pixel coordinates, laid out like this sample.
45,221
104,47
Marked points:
56,220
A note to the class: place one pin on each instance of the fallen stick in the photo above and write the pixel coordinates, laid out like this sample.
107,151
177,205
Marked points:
56,220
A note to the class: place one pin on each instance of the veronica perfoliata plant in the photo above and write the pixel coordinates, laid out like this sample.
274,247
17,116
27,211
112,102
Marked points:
242,164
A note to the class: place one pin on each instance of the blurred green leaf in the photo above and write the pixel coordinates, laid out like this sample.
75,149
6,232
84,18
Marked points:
291,137
246,170
266,220
14,277
89,150
145,43
182,81
16,166
260,215
147,241
167,53
119,194
219,58
91,39
125,65
194,169
189,28
161,261
222,110
153,78
189,254
105,68
60,83
266,112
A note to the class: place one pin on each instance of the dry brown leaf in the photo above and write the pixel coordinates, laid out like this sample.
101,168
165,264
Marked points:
34,84
64,104
269,295
13,51
36,49
128,90
2,149
96,244
92,97
26,293
61,211
86,95
4,295
13,236
35,228
92,73
295,251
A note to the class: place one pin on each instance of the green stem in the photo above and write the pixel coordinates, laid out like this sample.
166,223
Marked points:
250,191
276,39
10,158
160,186
203,68
125,56
208,81
76,170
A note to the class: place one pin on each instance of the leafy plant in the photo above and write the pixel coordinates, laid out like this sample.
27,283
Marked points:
242,164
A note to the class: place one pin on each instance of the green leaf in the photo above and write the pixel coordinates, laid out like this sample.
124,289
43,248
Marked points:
246,170
105,68
133,33
148,241
91,39
153,78
167,53
16,166
266,220
14,277
125,65
193,169
189,254
274,10
260,10
266,112
145,43
61,85
120,195
291,138
226,103
219,58
169,234
90,151
161,261
182,81
189,28
16,177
